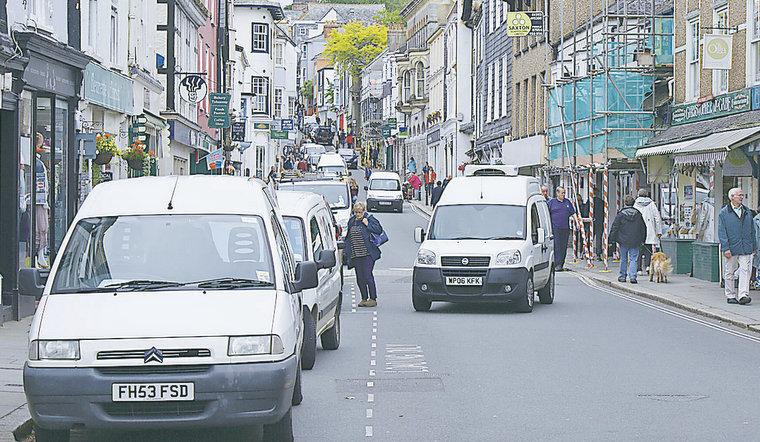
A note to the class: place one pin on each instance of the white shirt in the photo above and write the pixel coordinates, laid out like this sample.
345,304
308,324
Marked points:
737,210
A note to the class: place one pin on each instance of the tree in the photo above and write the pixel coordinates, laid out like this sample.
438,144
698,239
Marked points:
388,17
352,48
307,90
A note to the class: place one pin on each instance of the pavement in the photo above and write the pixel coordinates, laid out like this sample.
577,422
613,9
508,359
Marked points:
681,291
13,354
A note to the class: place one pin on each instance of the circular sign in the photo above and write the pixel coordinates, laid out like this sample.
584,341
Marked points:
193,89
717,48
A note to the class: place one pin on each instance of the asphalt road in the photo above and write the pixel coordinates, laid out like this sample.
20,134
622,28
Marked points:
595,365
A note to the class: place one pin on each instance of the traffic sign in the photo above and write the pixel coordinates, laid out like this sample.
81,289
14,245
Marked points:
220,110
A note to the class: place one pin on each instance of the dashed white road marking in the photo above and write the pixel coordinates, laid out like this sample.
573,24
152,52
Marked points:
374,345
373,353
370,397
368,431
372,372
372,363
369,413
370,384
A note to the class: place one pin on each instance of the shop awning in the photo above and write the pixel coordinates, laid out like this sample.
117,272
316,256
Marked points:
720,142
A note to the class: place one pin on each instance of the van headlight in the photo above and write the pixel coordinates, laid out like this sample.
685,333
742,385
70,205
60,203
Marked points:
508,258
61,350
398,196
425,257
255,345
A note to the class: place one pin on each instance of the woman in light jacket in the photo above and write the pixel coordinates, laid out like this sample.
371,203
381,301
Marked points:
362,254
653,220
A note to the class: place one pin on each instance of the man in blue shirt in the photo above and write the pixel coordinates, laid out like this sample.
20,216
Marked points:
561,210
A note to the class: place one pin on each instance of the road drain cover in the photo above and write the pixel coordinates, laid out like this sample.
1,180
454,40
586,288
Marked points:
391,385
673,397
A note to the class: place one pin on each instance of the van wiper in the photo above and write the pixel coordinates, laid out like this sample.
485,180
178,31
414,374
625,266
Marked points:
503,237
229,283
142,284
465,237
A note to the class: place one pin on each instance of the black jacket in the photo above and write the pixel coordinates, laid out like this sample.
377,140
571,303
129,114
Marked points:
437,192
629,228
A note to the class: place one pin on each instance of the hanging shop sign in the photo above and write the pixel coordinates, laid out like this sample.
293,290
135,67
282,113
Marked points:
286,124
386,132
193,89
737,164
720,106
434,137
215,159
520,24
278,134
238,131
403,131
220,110
260,126
717,52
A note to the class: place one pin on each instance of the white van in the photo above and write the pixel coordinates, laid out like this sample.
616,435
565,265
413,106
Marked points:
332,165
336,193
384,192
175,302
489,239
312,231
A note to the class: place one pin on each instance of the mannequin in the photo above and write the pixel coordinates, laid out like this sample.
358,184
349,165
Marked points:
41,207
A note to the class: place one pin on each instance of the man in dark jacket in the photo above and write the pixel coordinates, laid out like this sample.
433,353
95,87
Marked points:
629,231
736,233
437,192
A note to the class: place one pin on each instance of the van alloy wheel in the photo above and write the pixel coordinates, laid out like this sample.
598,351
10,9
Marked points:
525,305
546,294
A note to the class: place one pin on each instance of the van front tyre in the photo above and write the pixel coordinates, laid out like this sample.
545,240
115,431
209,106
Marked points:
309,349
420,303
43,435
331,337
546,294
525,303
282,430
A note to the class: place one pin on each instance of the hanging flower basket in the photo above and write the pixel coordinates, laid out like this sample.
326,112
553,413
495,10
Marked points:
103,158
136,164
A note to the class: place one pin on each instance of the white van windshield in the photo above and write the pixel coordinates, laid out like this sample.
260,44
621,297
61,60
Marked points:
378,184
164,251
337,196
478,221
338,170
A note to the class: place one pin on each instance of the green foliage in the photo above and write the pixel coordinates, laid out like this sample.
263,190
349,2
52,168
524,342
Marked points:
388,17
307,90
330,94
355,45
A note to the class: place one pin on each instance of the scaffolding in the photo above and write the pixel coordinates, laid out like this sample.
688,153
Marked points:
603,102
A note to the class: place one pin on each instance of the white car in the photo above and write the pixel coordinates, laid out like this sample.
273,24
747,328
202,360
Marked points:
312,231
336,193
313,152
175,301
384,192
489,239
332,165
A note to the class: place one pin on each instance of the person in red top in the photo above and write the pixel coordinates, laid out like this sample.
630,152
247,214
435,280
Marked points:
429,182
350,141
302,165
415,182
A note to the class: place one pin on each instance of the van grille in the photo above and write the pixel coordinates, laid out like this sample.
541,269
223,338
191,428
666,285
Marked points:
139,354
473,261
153,369
154,409
464,273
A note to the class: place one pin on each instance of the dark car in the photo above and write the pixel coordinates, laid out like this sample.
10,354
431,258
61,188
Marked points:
351,157
323,135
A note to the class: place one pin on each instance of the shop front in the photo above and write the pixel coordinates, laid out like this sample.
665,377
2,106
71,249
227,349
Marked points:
41,160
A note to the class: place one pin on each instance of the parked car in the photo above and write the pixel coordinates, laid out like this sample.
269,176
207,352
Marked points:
324,135
351,157
332,165
174,299
384,192
336,193
489,239
312,231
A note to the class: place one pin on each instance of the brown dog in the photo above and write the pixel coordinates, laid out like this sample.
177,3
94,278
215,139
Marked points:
660,265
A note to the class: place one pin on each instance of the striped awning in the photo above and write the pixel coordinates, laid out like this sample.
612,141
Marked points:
719,142
700,158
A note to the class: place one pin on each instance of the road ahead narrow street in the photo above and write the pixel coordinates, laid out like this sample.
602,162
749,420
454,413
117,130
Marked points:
595,365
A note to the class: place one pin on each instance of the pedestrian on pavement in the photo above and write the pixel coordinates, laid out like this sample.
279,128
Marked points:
429,175
350,141
288,163
545,192
598,227
367,172
342,138
629,231
354,190
415,182
302,167
411,166
437,192
561,211
362,254
736,232
653,220
374,152
446,181
272,176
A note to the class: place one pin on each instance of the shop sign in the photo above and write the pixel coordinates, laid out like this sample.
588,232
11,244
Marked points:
756,98
720,106
52,77
220,110
107,89
215,159
286,124
386,132
434,137
193,89
261,126
392,123
238,131
520,24
278,134
403,131
717,52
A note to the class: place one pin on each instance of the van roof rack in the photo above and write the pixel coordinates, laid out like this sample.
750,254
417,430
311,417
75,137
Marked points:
490,170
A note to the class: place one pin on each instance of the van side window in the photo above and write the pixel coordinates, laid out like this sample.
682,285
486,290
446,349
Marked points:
535,223
288,267
316,237
327,229
543,212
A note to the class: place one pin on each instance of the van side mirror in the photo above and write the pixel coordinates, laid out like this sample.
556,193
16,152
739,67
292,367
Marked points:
541,235
31,281
366,188
419,234
306,276
326,259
